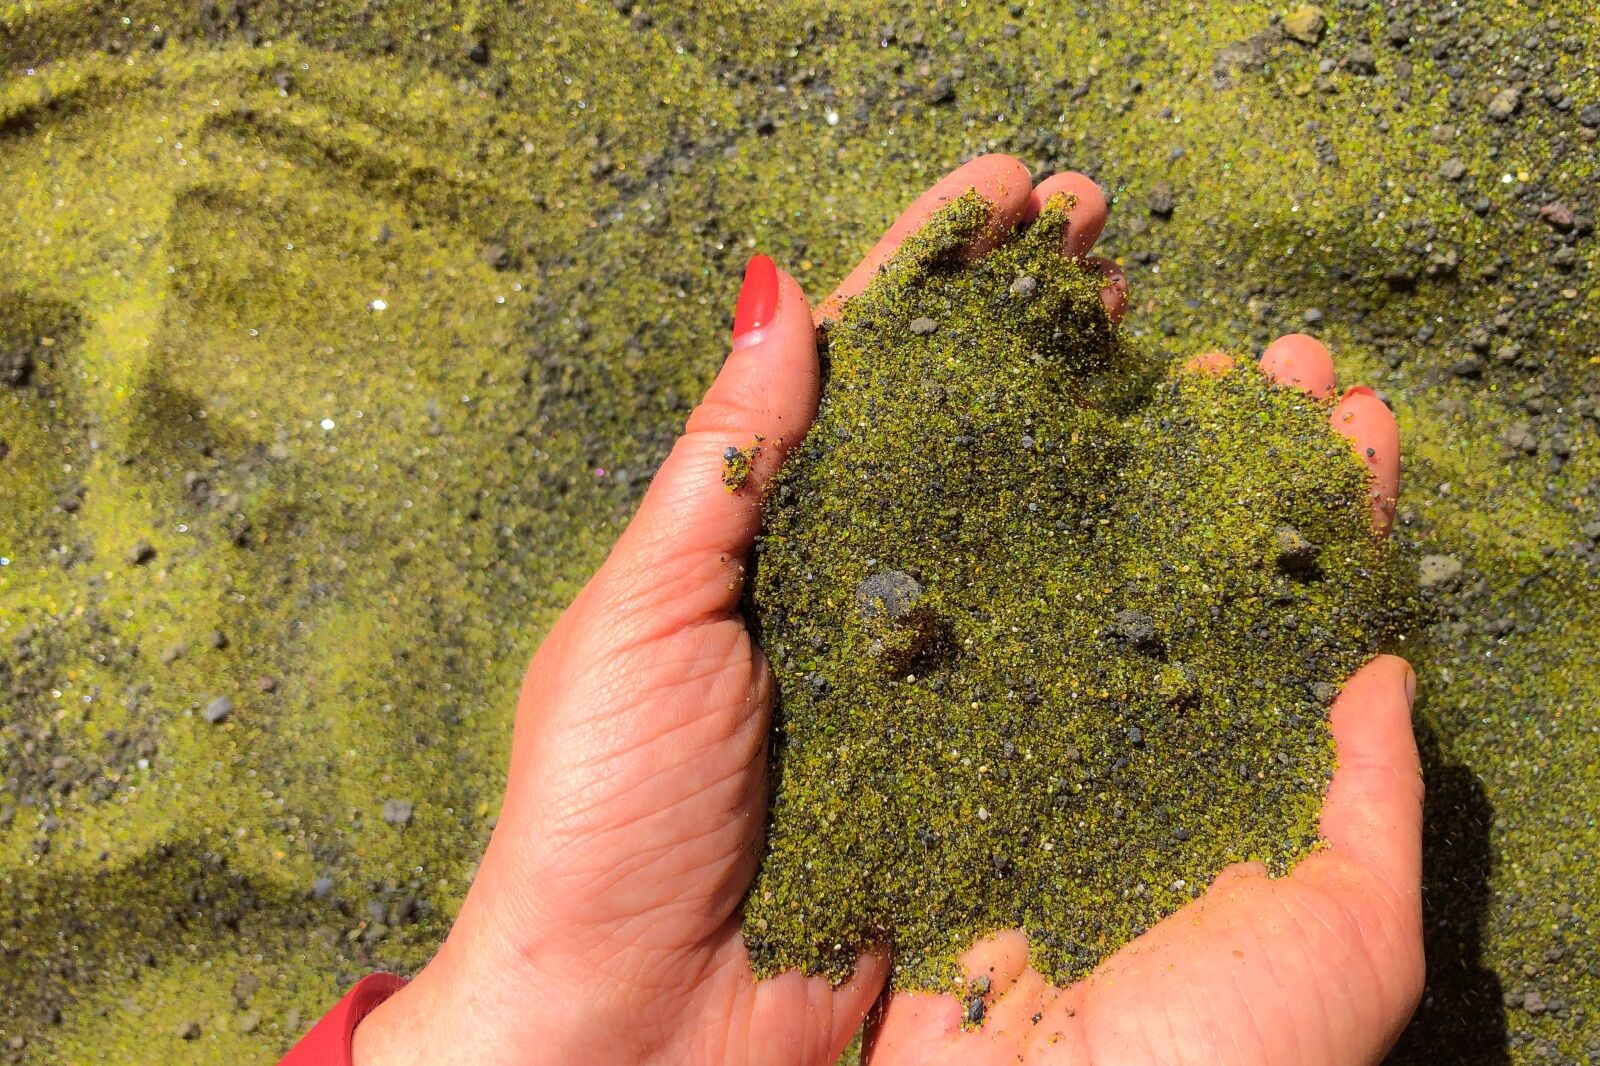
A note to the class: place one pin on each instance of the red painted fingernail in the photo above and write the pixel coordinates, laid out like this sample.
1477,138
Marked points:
758,297
1357,390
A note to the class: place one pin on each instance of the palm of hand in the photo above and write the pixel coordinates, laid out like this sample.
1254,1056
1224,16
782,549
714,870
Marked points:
1322,966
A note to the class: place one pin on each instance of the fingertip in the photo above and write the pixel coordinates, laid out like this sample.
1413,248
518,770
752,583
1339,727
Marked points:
1362,418
1373,809
1006,184
1114,293
1301,362
1211,364
1001,958
1000,179
1088,215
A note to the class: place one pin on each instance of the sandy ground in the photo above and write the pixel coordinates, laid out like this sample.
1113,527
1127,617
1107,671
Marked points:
336,343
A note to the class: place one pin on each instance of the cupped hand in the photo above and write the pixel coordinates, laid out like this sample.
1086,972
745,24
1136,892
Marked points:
1322,966
603,925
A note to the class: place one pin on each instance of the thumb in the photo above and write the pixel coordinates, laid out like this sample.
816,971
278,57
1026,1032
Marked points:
1373,809
681,559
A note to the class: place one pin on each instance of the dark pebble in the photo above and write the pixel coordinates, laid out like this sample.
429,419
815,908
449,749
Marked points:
975,1011
1559,216
1361,60
1294,554
141,552
218,709
16,366
1590,116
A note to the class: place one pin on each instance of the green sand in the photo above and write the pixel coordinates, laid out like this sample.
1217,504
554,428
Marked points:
1053,647
202,204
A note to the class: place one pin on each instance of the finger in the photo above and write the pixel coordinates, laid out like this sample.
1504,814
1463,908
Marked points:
1088,216
1369,425
995,963
1373,809
681,558
1000,179
818,1031
1211,364
1236,874
916,1017
1115,292
1300,362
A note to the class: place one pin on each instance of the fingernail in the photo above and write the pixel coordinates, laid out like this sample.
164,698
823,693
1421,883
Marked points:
758,301
1358,390
1411,685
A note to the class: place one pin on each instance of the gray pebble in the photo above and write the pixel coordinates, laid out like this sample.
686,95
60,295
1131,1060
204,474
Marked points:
218,709
322,887
891,594
397,811
1024,286
1505,104
1437,571
1135,628
923,326
1453,170
1161,201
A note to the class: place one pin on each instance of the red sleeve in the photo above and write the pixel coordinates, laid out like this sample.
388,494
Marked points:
328,1042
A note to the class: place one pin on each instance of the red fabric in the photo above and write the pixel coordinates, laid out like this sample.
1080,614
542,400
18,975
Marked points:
328,1042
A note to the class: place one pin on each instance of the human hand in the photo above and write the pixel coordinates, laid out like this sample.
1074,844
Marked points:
603,925
1324,965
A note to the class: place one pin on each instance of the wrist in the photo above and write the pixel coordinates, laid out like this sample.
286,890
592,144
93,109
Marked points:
467,1006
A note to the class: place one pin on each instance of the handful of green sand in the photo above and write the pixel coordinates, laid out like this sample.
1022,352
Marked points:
1054,634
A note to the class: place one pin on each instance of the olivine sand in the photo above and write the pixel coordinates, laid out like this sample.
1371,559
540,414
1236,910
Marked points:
337,340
